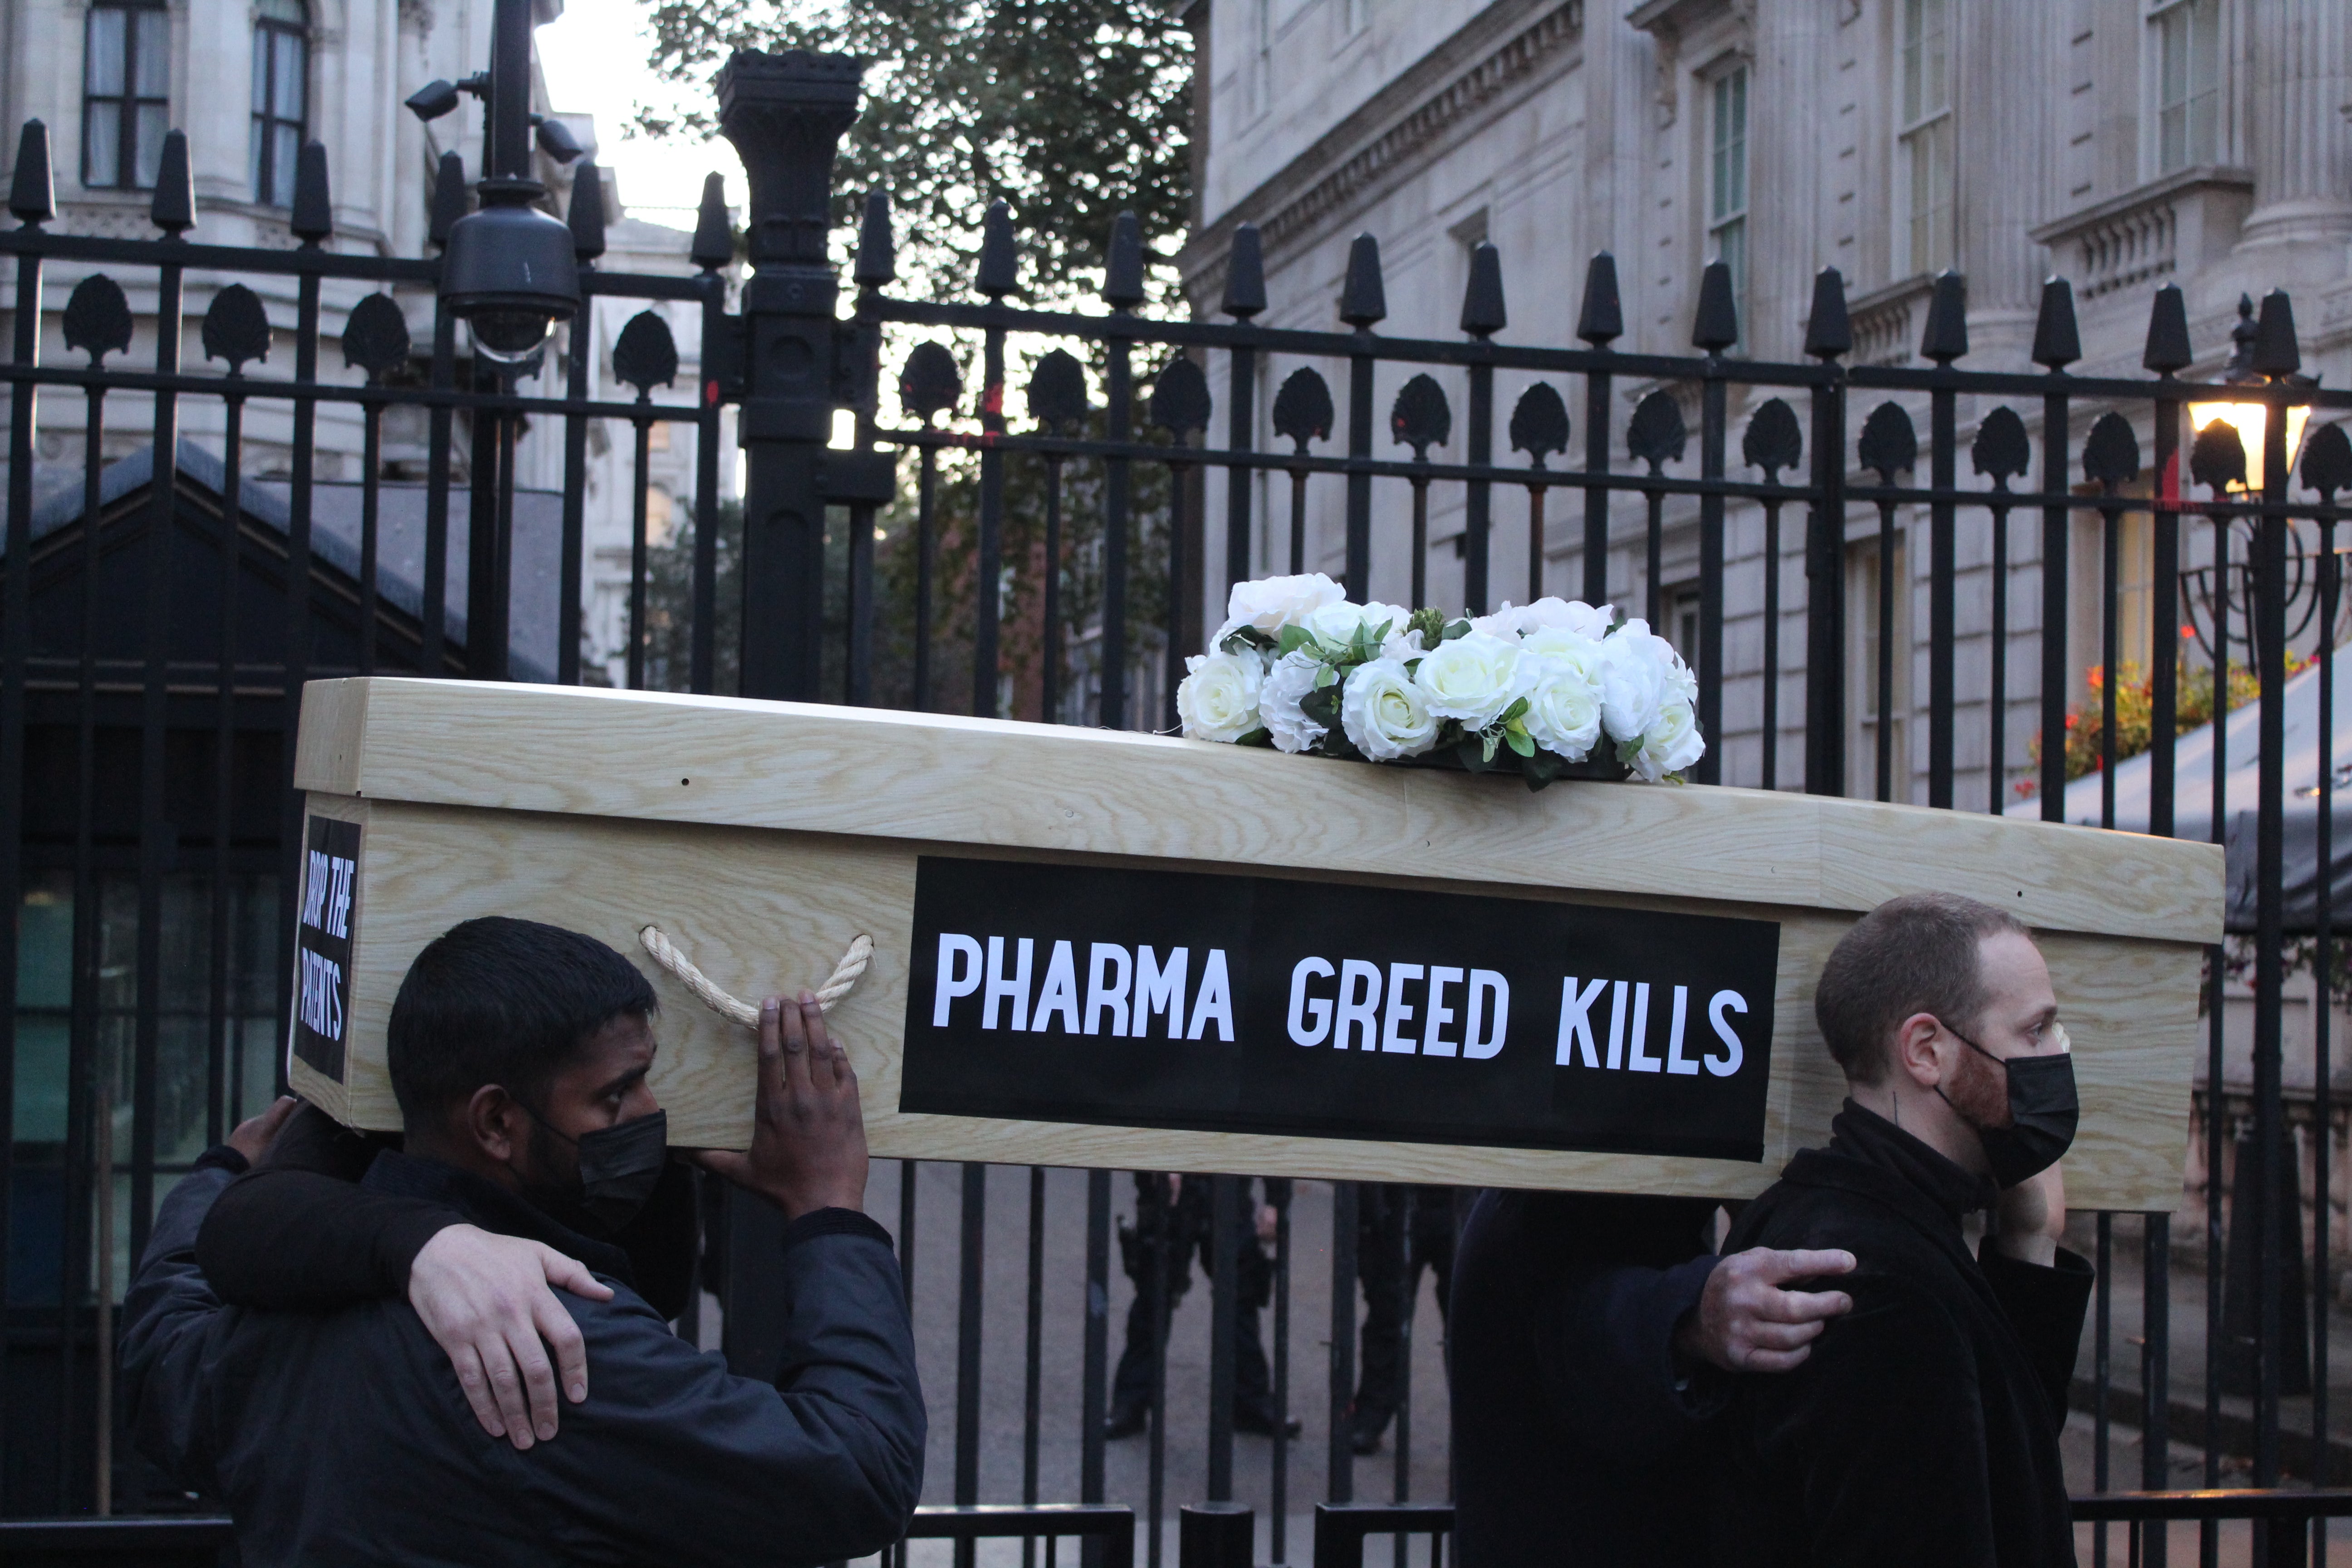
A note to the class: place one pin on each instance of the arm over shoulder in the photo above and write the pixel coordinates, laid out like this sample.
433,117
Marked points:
825,1463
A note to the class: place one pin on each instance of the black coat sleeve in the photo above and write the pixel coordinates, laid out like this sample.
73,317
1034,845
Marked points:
673,1459
1872,1450
296,1231
1605,1347
2045,1306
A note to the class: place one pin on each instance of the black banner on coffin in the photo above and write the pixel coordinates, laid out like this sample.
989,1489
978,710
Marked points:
1268,965
322,945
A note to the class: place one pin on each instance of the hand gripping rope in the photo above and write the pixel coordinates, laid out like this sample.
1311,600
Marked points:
837,985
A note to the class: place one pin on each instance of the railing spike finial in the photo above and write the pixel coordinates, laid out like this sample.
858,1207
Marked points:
174,210
1123,264
33,189
2276,350
1000,267
448,198
1947,337
313,218
877,247
2056,342
2167,352
1829,330
1483,314
714,236
1601,320
1363,299
587,213
1716,327
1244,274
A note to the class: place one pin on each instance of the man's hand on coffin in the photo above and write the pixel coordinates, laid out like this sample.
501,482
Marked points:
808,1135
1746,1321
487,1301
255,1134
2030,1220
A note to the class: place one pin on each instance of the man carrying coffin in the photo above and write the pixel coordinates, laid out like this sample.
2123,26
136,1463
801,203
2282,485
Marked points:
1923,1429
519,1053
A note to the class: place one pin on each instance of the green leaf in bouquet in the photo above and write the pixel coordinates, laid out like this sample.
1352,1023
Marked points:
1490,740
1293,638
1322,705
1325,676
1476,756
1515,712
1541,769
1627,751
1244,639
1520,741
1261,736
1453,629
1429,622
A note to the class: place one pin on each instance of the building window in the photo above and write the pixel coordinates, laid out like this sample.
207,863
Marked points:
1926,132
126,86
281,75
1257,89
2188,48
1726,204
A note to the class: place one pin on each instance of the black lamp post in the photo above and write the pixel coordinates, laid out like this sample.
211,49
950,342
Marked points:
509,270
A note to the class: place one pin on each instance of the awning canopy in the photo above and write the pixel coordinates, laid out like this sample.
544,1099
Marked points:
2241,783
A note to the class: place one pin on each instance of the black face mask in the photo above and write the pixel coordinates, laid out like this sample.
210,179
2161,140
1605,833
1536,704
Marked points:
620,1166
2042,1114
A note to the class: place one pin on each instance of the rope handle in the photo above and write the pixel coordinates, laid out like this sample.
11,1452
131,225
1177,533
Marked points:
838,984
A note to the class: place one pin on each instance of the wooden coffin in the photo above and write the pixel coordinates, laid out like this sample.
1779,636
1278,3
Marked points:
1104,949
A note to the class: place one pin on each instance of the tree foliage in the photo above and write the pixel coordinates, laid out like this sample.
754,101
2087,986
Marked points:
1070,111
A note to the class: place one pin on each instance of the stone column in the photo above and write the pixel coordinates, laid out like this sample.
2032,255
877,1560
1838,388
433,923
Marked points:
2297,138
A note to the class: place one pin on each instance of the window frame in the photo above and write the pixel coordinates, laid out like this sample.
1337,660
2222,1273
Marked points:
1716,221
2160,16
1921,131
126,104
267,180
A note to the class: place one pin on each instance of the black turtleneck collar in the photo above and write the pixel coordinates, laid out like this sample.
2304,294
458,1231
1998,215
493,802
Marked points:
492,1207
1861,1133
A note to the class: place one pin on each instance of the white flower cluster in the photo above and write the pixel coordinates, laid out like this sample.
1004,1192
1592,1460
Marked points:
1545,682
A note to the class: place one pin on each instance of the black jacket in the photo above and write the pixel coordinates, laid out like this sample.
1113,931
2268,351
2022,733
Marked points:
1922,1429
1574,1431
341,1437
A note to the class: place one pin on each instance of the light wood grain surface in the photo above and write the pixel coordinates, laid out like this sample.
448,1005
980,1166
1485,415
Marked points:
761,908
984,783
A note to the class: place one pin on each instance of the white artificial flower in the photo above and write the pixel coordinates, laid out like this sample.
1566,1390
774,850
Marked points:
1672,743
1634,681
1218,701
1555,642
1384,713
1270,604
1287,685
1563,712
1473,678
1548,613
1335,624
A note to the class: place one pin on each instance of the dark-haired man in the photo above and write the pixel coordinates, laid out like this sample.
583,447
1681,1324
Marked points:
1923,1429
520,1054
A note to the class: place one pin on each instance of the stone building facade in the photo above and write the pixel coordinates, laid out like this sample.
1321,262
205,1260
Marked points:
2122,144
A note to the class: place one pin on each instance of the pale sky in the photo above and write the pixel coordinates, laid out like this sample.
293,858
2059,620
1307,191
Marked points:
594,58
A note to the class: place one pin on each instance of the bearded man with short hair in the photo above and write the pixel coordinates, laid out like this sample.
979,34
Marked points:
1922,1429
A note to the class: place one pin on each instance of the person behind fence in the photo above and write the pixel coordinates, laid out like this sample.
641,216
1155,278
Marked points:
519,1053
1400,1230
1924,1428
1172,1220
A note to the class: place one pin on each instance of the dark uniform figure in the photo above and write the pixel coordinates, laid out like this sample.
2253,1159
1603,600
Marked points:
1399,1231
1172,1221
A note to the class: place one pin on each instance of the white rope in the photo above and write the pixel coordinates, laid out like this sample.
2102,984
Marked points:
838,984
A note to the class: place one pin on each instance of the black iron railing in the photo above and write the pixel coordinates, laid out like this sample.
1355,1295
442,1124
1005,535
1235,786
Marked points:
1054,550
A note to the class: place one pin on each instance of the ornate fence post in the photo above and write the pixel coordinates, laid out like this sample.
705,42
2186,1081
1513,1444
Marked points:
785,114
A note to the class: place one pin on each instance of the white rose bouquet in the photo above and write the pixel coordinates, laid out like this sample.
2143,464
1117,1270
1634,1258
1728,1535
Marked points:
1538,690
